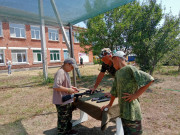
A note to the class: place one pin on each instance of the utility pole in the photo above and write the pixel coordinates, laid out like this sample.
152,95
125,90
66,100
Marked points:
43,40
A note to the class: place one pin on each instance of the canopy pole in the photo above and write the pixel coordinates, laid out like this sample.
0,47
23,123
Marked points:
43,40
60,24
72,54
71,50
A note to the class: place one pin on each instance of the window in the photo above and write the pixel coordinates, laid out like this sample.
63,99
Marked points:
17,30
19,56
1,32
54,55
35,32
53,34
1,57
76,34
37,55
66,54
67,33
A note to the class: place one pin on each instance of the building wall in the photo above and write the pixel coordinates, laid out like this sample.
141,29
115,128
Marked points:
7,43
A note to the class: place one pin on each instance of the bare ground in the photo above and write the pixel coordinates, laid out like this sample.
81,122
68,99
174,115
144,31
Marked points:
26,106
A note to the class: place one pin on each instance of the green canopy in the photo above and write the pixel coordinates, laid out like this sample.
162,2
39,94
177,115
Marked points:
70,11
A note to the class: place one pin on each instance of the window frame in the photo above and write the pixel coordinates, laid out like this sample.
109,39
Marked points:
34,30
21,54
13,35
66,50
55,34
40,52
75,39
58,52
3,57
68,35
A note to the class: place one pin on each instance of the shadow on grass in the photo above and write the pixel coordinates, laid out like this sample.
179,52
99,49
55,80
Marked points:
82,130
15,128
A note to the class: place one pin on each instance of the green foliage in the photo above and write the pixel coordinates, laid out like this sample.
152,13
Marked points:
49,80
42,81
173,57
136,27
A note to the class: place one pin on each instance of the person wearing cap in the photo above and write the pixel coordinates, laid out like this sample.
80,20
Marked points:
128,85
107,65
62,86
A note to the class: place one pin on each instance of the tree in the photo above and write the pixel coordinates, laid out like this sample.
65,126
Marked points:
135,26
103,31
149,40
173,57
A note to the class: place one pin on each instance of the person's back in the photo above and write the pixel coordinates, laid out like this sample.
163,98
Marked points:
130,79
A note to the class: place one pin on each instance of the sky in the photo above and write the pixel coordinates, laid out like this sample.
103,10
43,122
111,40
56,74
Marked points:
169,5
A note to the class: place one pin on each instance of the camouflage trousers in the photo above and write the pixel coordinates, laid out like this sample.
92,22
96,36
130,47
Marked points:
132,127
64,118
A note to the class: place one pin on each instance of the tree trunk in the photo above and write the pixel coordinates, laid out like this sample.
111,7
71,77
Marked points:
179,68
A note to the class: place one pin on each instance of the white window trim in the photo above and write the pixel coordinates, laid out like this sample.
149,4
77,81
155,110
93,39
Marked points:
37,62
54,61
18,48
20,32
36,30
68,38
37,48
58,49
3,64
1,29
3,48
20,63
75,37
50,28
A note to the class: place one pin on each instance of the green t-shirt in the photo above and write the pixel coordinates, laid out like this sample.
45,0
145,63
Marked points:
128,80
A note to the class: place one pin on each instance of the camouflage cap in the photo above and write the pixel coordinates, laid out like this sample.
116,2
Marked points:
105,51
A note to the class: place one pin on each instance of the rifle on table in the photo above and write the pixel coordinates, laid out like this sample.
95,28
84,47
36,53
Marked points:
77,95
100,99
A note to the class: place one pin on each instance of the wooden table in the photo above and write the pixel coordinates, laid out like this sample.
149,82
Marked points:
88,107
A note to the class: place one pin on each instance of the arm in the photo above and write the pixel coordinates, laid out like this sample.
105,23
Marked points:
64,89
110,103
98,80
131,97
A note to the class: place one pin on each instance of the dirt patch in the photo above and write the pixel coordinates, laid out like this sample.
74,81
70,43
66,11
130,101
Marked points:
26,107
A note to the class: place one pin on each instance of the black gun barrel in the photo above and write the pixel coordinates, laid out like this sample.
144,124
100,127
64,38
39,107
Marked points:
103,100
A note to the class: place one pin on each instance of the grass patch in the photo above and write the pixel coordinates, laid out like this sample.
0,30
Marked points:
169,70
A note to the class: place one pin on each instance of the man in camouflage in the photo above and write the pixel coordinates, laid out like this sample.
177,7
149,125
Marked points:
107,66
128,85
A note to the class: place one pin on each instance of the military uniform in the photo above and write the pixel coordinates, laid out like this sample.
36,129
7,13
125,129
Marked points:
110,69
128,80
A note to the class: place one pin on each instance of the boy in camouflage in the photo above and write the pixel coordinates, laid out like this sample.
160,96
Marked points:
128,85
62,86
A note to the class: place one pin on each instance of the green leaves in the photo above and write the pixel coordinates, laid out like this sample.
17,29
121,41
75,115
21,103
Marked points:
134,26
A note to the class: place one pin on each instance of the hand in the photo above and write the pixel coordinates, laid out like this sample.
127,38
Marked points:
107,94
129,97
107,106
92,90
75,89
71,91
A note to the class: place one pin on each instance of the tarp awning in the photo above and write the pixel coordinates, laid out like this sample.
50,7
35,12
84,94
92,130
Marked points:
71,11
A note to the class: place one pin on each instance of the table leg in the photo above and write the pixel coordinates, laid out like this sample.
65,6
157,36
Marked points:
83,117
119,127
